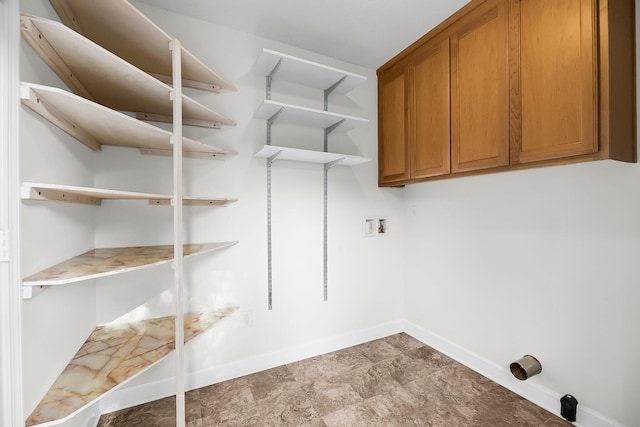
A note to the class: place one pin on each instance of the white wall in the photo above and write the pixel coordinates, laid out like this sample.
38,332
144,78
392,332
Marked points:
366,274
541,262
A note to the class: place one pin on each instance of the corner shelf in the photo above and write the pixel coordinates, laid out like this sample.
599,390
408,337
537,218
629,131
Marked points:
109,261
120,28
280,112
95,125
110,357
96,74
306,73
94,196
133,66
309,156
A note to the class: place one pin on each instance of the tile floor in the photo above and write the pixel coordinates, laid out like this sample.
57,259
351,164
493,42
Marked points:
393,381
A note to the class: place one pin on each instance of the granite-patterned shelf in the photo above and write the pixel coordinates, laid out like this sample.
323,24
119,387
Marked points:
108,261
111,356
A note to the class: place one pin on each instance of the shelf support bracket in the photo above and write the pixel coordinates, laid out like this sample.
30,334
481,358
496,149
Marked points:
329,90
271,76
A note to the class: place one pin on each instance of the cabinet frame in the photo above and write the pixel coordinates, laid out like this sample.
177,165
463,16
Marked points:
615,87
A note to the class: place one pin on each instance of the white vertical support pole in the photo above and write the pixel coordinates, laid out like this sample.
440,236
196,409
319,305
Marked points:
178,256
11,405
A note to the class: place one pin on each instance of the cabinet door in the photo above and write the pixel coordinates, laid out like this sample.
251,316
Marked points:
553,83
429,111
392,126
480,88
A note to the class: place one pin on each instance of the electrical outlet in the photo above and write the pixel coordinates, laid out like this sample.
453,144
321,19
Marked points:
375,226
247,319
4,245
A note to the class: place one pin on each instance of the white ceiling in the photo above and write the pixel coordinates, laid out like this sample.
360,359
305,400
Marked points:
362,32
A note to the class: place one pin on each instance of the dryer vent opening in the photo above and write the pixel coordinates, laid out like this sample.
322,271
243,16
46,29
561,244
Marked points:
525,367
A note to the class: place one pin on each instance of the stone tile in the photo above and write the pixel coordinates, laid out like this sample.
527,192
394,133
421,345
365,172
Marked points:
375,380
288,405
328,365
358,414
261,383
403,342
378,350
327,397
229,403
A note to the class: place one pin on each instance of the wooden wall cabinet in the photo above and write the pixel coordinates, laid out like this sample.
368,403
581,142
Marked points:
414,111
553,84
393,154
510,84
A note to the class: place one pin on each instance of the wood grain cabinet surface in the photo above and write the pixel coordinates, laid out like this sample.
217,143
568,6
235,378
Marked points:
510,84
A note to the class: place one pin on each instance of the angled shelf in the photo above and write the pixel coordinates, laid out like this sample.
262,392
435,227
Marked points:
96,74
280,112
121,29
109,261
95,125
305,72
309,156
95,196
113,355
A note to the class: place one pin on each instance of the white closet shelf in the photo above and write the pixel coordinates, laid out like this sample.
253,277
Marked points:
121,29
309,156
95,196
305,72
112,356
95,125
96,74
303,116
109,261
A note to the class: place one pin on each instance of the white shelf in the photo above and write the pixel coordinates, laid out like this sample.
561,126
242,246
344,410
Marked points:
95,125
121,29
309,156
96,74
305,72
303,116
104,262
95,196
111,357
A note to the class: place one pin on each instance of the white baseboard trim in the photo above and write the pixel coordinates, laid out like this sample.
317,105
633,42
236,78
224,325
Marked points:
541,396
136,395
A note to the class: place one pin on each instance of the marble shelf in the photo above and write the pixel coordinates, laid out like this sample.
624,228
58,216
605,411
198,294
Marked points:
97,74
95,125
113,355
121,29
95,196
109,261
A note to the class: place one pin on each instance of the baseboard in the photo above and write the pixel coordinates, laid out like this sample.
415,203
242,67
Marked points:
136,395
541,396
